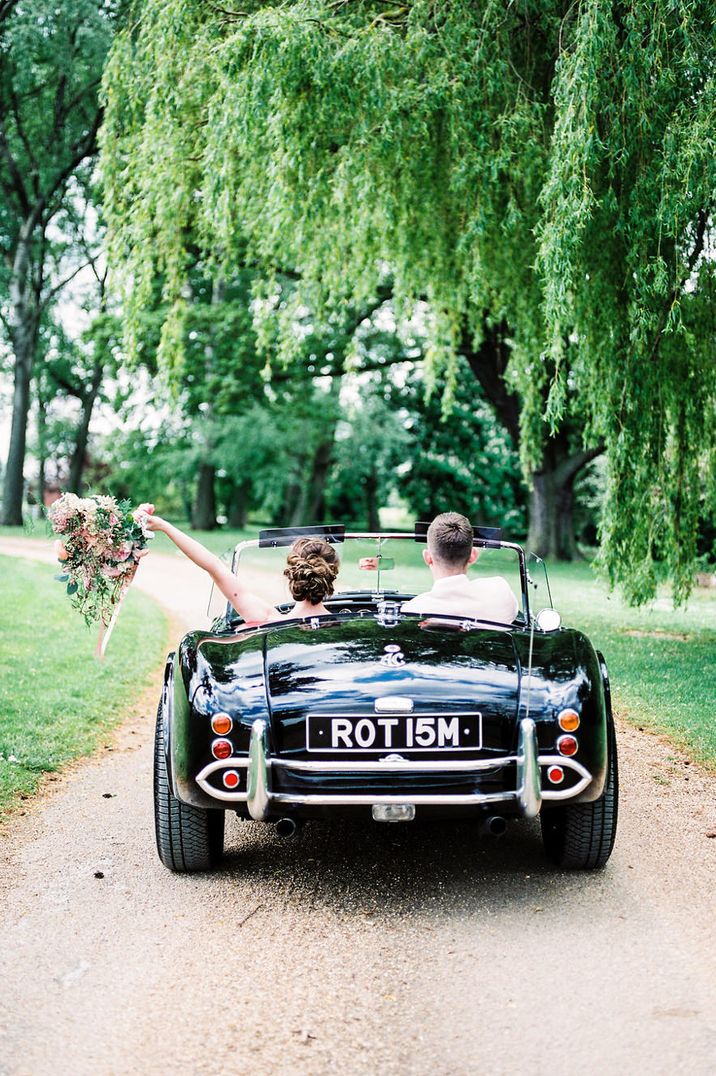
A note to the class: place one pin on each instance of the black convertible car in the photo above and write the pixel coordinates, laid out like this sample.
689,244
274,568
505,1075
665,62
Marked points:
378,713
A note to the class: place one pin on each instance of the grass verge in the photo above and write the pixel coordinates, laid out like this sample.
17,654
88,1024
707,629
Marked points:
56,700
662,661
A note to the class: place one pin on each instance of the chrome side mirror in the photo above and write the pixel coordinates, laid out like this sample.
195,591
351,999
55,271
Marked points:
548,619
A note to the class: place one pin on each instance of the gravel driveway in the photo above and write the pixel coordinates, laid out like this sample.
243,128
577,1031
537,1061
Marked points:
405,949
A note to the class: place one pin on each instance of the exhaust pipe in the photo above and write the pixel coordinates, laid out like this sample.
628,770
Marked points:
495,825
286,827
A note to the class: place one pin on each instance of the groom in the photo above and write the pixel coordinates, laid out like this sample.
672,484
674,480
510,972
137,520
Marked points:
449,552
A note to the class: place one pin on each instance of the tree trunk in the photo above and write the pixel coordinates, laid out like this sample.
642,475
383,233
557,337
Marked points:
310,502
23,325
551,524
185,494
41,449
79,455
203,516
292,501
489,365
14,473
551,531
238,506
371,500
299,493
316,500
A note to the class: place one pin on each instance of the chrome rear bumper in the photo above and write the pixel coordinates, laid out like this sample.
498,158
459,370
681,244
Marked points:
527,796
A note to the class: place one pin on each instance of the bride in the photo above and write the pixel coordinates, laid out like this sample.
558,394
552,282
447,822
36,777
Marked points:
311,570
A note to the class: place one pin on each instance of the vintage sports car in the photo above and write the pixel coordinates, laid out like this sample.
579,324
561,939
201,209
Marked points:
381,714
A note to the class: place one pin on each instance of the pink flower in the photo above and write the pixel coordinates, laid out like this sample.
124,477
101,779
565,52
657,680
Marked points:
60,551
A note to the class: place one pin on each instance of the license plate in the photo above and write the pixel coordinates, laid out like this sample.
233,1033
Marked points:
426,732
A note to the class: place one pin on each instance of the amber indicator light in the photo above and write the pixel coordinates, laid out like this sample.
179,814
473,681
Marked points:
567,745
568,720
555,774
221,724
231,778
221,749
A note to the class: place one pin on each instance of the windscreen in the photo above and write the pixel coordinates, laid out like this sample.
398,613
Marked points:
538,583
380,566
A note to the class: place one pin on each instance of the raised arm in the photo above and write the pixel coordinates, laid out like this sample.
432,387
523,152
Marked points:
247,604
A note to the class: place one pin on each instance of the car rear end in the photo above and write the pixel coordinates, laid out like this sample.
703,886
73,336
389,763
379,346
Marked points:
356,716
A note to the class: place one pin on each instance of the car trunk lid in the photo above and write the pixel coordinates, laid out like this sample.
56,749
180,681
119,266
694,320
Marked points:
361,688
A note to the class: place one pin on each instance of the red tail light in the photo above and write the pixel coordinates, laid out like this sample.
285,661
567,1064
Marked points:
555,774
567,745
231,779
221,749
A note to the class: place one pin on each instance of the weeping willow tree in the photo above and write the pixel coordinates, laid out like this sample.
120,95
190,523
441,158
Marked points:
541,174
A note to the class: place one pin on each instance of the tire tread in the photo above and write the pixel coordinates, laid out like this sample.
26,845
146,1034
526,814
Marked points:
188,838
581,836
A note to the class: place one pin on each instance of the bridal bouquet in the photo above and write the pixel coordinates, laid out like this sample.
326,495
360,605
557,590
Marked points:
100,546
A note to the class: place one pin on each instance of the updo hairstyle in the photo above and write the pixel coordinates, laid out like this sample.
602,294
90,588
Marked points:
311,569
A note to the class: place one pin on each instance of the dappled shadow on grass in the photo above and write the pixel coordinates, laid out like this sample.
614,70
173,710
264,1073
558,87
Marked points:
390,871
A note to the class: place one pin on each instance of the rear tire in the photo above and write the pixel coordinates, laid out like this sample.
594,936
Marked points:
188,838
581,836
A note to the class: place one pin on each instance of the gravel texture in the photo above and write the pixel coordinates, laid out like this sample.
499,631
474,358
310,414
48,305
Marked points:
392,949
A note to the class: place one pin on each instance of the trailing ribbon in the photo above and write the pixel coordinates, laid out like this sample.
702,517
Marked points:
105,630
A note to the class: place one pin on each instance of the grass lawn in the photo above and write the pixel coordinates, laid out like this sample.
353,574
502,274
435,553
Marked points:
662,662
56,700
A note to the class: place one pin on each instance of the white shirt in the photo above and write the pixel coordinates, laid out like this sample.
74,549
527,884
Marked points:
483,599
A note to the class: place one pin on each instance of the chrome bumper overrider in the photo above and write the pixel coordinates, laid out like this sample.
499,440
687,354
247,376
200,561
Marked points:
260,799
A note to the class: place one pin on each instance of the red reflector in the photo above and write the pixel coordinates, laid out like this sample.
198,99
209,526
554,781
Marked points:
555,774
221,749
567,745
231,778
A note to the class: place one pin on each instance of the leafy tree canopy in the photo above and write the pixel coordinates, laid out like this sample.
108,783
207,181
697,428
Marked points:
51,59
547,164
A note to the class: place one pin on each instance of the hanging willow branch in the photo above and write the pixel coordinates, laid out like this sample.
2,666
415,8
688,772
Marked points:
542,166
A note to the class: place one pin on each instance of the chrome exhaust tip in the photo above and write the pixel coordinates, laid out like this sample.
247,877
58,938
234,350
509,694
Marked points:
286,827
494,826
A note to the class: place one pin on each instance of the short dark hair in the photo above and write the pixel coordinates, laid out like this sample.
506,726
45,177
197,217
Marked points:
450,539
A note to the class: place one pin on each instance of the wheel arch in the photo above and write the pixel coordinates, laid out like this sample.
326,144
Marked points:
167,705
606,685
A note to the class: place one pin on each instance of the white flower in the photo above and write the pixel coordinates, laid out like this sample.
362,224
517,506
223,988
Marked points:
141,518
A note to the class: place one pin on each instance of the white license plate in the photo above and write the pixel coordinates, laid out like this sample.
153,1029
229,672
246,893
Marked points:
426,732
